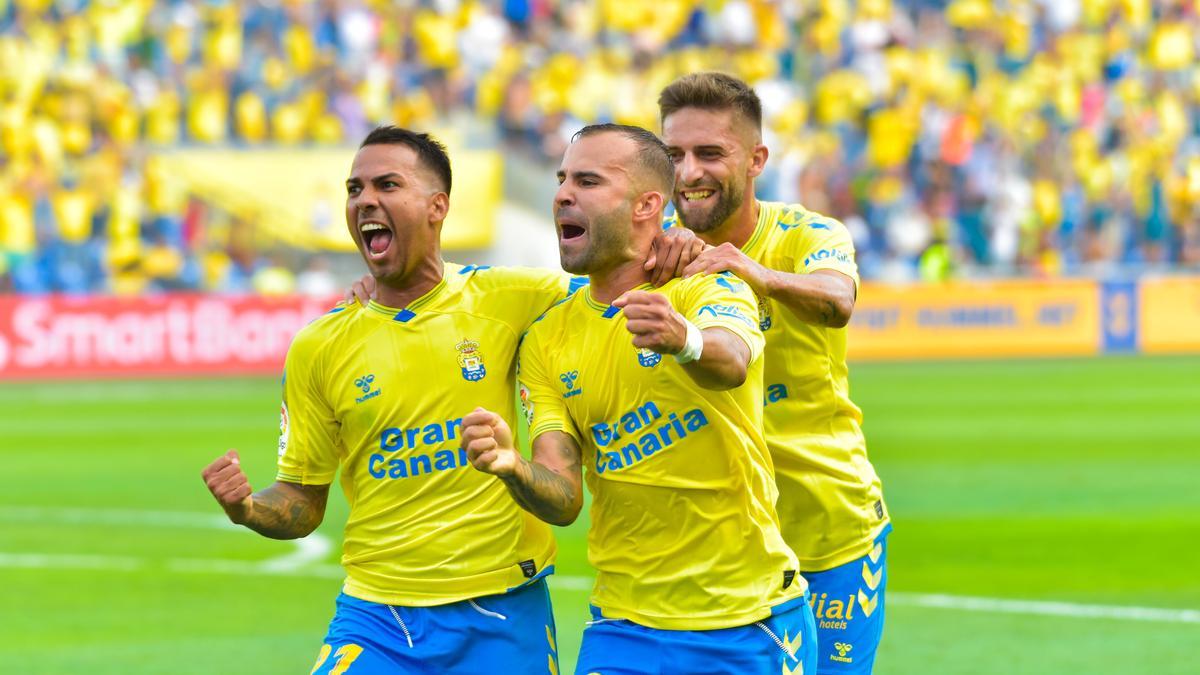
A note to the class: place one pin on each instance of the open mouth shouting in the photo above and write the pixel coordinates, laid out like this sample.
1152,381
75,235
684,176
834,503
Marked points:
376,238
570,231
570,227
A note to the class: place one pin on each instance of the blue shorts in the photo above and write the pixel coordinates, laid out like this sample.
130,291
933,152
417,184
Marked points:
782,643
509,633
848,603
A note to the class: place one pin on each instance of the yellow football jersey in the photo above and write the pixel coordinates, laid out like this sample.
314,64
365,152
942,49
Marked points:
683,533
382,392
830,498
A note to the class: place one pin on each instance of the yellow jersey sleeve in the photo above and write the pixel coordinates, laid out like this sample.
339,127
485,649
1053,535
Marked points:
821,243
309,433
522,293
722,301
543,403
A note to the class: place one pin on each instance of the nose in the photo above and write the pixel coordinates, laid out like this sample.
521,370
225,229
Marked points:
688,170
563,197
364,201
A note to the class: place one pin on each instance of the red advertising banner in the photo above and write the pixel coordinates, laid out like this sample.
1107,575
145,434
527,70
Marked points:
176,334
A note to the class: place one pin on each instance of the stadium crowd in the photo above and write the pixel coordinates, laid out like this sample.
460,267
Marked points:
1031,137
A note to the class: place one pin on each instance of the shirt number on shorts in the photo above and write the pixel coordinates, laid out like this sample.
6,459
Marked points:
345,656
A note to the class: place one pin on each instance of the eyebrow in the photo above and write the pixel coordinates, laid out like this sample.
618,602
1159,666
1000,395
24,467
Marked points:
705,146
562,175
391,174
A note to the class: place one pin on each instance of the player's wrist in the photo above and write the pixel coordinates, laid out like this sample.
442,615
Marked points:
693,344
515,473
768,283
239,513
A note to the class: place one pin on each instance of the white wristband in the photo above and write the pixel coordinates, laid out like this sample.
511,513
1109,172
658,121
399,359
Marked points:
692,346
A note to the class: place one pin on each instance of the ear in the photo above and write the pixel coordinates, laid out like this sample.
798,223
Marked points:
648,205
439,206
758,160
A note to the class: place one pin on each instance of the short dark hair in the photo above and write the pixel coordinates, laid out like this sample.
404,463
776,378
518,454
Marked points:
430,151
711,91
651,151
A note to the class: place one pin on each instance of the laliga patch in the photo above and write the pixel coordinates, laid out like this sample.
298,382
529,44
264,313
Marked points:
526,403
283,429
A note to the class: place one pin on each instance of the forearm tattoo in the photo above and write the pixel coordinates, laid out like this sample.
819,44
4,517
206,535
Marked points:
546,494
289,512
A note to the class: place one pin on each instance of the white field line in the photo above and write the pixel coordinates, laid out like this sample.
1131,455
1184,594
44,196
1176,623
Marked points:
303,562
310,549
109,563
578,583
133,517
1043,607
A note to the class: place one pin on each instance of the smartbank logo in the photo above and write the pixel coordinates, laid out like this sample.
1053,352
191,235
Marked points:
169,334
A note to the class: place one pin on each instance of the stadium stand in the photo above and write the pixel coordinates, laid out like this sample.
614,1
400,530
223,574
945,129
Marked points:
964,138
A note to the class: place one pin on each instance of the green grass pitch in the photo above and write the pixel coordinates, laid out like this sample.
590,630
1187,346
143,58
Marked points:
1076,481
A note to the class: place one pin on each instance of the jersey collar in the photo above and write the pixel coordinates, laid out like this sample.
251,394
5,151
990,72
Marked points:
765,214
408,313
607,311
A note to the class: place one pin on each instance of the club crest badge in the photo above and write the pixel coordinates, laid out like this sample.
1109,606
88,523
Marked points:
648,358
764,313
470,359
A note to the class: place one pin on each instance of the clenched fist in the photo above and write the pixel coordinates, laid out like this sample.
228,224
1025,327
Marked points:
489,443
653,321
229,485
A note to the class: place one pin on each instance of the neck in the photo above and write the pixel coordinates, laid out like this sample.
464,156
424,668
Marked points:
608,285
739,227
399,293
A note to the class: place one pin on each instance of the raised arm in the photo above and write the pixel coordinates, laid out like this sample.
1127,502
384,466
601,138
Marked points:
723,356
282,511
823,297
550,487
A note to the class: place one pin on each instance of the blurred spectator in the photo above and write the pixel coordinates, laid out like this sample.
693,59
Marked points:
273,278
1036,137
317,279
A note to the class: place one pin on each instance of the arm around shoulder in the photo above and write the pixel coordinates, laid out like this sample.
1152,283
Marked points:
823,297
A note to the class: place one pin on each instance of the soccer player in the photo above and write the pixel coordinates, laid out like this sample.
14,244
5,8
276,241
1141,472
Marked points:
801,266
658,392
445,573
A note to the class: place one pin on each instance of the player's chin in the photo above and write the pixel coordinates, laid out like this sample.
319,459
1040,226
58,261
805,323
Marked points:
384,266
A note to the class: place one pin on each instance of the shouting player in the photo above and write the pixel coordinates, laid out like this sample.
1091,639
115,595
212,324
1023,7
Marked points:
444,571
801,266
655,395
